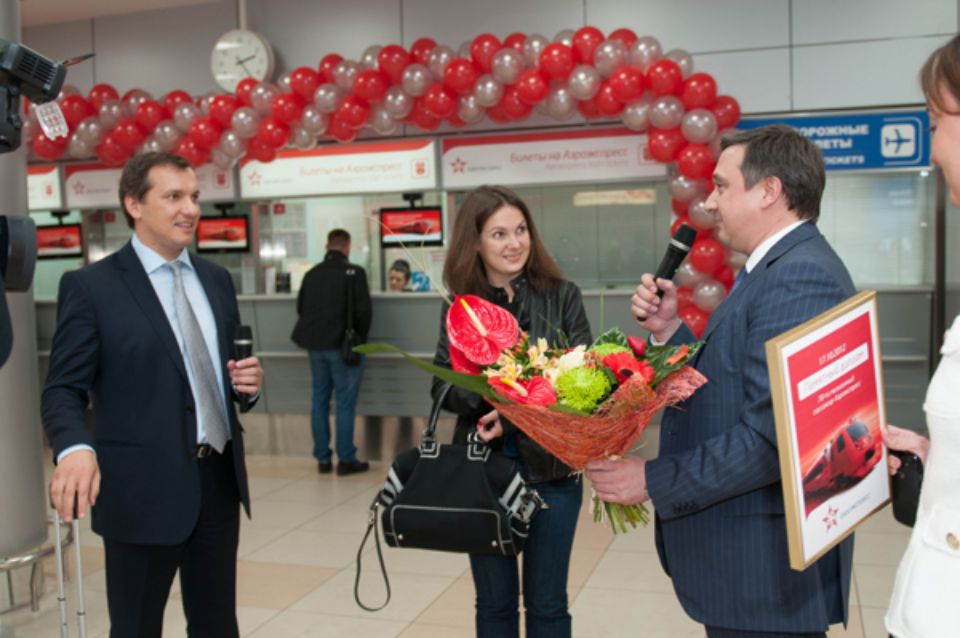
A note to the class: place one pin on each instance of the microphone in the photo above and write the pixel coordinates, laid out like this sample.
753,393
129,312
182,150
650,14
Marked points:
243,348
677,250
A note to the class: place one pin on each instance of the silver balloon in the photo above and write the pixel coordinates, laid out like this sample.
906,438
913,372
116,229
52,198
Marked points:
283,82
683,59
232,144
204,103
111,112
609,56
327,97
560,103
345,74
699,126
507,65
487,91
565,37
438,59
381,121
584,82
636,114
709,294
245,122
370,59
666,112
151,145
90,130
736,260
714,144
134,98
463,51
167,134
533,46
302,138
416,79
644,52
77,148
261,97
313,119
221,160
469,110
684,189
397,103
699,215
68,89
689,276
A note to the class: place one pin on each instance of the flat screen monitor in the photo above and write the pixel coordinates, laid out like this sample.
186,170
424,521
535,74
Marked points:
229,233
59,241
422,226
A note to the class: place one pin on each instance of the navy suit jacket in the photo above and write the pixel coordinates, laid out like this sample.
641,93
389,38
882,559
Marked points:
113,345
721,532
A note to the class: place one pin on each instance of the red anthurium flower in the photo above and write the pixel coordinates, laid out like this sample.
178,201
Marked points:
460,363
638,345
536,391
480,329
624,364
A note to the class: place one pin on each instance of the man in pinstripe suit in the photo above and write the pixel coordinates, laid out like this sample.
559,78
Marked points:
720,529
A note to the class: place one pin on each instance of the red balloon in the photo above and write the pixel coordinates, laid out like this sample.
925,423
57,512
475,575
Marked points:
304,82
461,74
684,297
420,49
455,121
75,109
665,144
497,114
588,108
261,152
287,107
557,61
371,85
726,110
244,87
695,318
129,134
340,131
665,77
515,40
707,255
48,149
513,106
175,98
627,36
222,108
421,117
327,64
532,87
149,113
111,152
482,50
205,133
607,103
626,83
100,93
680,208
353,112
725,276
695,161
682,218
188,150
392,60
699,91
273,132
439,101
585,42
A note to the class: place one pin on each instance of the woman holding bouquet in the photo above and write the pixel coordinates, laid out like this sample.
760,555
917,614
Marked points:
496,253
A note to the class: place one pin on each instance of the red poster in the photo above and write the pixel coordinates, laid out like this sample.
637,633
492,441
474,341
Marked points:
414,226
216,234
59,241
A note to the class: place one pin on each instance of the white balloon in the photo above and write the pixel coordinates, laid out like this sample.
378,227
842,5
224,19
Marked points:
736,260
313,119
469,110
584,82
345,74
560,103
565,36
636,113
232,144
699,215
438,59
302,138
688,276
167,134
683,189
416,79
609,56
90,130
261,97
370,59
699,126
111,112
533,46
78,148
507,65
644,52
487,91
283,82
381,121
221,160
683,59
397,103
327,97
666,112
709,294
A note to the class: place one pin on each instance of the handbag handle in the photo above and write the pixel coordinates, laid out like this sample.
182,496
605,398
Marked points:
372,526
430,434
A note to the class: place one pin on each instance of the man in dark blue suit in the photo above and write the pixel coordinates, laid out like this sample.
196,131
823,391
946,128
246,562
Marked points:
146,334
720,528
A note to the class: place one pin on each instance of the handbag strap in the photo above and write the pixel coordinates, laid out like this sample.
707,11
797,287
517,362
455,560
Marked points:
430,434
372,526
349,279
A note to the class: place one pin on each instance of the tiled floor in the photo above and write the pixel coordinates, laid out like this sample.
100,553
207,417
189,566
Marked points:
297,569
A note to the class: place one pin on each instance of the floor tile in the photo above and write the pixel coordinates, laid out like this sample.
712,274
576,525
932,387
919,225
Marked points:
281,467
630,571
422,630
872,548
319,549
326,493
277,586
261,485
419,561
292,624
873,626
609,613
454,607
854,628
254,535
285,513
875,584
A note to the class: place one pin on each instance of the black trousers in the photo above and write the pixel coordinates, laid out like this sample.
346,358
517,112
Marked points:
718,632
139,576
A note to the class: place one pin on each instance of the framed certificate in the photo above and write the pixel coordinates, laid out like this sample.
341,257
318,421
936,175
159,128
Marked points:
827,387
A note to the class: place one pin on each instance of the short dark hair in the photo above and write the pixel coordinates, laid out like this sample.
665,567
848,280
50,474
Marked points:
402,266
941,72
135,180
783,152
338,238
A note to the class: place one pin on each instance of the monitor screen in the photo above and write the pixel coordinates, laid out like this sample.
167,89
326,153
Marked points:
223,234
421,226
62,240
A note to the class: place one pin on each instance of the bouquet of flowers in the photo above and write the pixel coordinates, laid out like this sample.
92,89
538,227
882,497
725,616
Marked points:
580,403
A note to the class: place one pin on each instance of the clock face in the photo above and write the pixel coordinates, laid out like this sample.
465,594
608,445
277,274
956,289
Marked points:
241,54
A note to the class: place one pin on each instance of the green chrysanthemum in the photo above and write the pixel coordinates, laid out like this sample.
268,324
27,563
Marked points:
583,388
603,349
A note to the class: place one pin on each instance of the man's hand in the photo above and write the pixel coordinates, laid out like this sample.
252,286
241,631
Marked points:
246,375
906,440
657,315
622,481
489,426
76,479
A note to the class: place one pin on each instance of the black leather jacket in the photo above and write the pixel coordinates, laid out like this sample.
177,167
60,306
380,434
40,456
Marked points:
540,316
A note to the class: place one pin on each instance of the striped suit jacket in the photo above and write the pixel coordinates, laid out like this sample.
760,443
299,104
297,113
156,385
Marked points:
720,528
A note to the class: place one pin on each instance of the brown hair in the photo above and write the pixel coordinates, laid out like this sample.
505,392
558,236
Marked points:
135,182
942,71
464,272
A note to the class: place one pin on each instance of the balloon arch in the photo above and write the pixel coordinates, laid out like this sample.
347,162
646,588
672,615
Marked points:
620,75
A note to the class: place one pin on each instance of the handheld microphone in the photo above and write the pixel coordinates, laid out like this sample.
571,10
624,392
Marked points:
243,348
677,250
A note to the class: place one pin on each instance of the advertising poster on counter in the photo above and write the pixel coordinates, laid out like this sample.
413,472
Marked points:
223,234
827,387
411,226
65,240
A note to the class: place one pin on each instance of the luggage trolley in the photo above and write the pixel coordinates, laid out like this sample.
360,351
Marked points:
61,594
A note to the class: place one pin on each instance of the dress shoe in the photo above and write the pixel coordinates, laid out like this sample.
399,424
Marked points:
324,467
352,467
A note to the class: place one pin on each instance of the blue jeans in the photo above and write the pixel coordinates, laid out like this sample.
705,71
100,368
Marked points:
546,562
331,374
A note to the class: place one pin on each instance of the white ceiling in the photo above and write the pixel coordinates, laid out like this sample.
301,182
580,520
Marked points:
37,12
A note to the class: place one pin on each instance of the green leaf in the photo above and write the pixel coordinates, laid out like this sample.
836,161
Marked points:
613,335
470,382
657,357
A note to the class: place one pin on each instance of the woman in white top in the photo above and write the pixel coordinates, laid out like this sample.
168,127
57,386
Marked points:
926,594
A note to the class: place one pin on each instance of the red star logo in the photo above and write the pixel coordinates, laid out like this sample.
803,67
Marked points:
458,165
255,178
79,187
831,518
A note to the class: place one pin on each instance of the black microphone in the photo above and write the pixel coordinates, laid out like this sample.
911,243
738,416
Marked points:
243,348
677,250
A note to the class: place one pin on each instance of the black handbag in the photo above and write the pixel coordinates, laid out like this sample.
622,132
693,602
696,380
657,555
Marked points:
905,487
351,338
453,498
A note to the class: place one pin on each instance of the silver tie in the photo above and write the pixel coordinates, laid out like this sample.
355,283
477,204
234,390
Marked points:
208,395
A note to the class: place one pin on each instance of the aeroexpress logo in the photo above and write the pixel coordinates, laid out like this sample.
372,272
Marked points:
830,520
458,165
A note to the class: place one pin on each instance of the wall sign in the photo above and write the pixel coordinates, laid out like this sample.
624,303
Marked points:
96,186
43,187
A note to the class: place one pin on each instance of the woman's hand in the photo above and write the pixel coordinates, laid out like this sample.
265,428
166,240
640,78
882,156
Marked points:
489,426
904,440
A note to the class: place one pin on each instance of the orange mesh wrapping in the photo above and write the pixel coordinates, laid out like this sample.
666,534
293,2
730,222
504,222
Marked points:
612,429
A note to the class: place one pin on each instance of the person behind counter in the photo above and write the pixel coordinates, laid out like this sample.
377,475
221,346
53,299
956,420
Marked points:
497,254
398,278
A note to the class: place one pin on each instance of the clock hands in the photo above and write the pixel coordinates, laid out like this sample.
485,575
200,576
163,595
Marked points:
242,62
